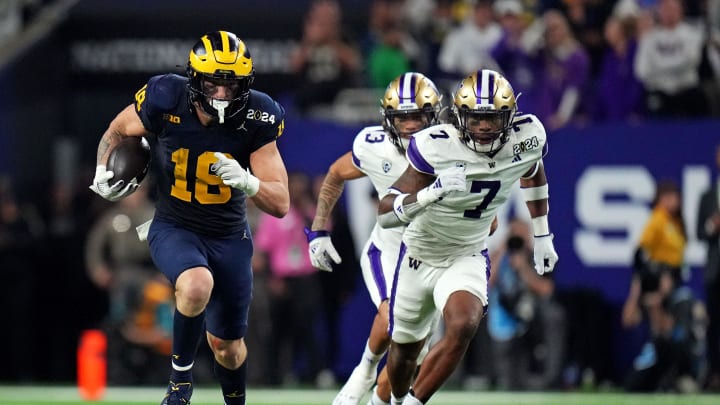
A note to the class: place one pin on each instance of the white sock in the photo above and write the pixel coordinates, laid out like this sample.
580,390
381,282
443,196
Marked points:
411,400
370,360
396,401
376,400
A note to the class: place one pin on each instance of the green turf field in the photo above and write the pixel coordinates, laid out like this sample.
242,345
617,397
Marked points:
42,395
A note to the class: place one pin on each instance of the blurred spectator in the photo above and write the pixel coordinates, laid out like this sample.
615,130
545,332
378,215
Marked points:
19,237
524,316
432,35
11,19
138,348
117,261
668,63
388,60
512,52
565,67
708,230
141,302
294,289
619,95
712,83
587,19
324,61
388,44
381,14
466,48
68,213
670,355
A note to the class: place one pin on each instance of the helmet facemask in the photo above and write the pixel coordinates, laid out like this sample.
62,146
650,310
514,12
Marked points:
202,88
412,96
485,131
427,116
219,59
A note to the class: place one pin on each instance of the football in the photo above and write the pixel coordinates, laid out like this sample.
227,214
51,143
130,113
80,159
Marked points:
130,159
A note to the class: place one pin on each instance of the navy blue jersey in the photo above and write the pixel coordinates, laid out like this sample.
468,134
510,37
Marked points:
189,194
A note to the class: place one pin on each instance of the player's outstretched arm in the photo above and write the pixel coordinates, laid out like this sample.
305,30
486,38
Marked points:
534,186
414,191
332,188
267,165
320,247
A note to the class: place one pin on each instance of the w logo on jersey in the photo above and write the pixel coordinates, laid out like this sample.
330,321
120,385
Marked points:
414,263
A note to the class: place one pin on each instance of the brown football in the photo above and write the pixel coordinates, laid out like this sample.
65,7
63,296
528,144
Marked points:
130,159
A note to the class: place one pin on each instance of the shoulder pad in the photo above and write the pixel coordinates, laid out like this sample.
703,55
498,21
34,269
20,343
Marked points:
424,151
528,133
366,143
259,101
164,92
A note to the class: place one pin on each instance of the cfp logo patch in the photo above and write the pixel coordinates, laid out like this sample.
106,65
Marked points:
386,166
527,144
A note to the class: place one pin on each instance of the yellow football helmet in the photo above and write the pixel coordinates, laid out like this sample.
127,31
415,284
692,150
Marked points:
484,96
410,93
220,58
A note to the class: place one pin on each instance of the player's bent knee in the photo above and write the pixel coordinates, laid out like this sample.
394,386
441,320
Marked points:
231,354
193,289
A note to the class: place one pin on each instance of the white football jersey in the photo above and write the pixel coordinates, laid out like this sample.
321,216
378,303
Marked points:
375,155
458,225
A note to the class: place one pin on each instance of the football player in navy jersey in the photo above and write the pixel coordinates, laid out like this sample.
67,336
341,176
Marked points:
213,142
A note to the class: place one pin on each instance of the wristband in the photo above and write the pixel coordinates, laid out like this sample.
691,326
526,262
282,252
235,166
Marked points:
541,226
315,234
536,193
399,210
425,197
253,185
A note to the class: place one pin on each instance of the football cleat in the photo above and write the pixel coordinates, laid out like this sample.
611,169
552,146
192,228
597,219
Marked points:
355,388
178,394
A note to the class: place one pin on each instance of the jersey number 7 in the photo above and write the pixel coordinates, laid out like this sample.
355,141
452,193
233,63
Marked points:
477,186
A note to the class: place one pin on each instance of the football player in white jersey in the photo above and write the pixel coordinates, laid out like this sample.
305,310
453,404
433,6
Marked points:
410,103
458,177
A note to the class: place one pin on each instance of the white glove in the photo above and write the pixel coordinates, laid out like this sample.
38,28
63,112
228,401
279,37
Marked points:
321,250
233,175
115,192
544,254
448,180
